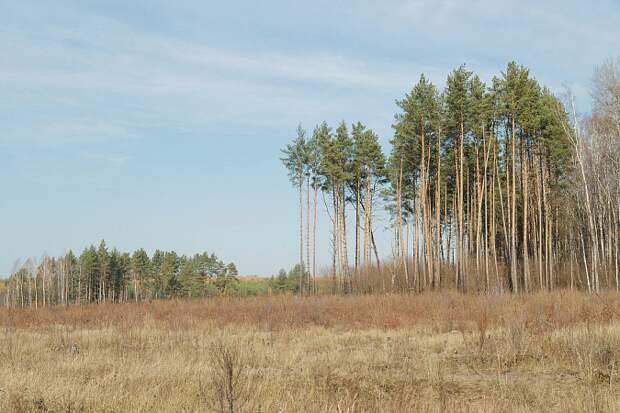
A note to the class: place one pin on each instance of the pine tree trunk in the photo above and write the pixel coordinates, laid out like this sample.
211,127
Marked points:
314,241
367,212
437,277
135,286
334,238
345,260
461,234
478,195
301,234
524,180
539,203
399,211
357,223
513,211
307,270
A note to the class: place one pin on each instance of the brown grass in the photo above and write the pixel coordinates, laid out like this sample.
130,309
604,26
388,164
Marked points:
434,352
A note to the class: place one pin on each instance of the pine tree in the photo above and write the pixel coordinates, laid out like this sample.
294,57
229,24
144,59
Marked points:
89,274
296,162
314,176
167,281
515,96
189,280
341,166
368,168
104,271
458,119
141,271
154,282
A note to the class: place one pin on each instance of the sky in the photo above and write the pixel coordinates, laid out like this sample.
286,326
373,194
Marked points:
158,124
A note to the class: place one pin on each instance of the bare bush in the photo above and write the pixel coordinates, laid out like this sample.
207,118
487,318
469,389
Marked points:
230,381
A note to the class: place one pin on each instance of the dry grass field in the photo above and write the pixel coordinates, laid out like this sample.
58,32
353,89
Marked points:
557,352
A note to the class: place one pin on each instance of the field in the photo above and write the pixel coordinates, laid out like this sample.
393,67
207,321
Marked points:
552,352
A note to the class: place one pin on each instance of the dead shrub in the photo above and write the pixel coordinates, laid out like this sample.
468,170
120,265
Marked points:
595,356
517,336
482,324
230,384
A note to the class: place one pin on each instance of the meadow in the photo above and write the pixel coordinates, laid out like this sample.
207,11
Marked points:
552,352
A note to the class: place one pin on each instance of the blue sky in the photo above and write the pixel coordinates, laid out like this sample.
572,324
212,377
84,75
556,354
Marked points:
158,124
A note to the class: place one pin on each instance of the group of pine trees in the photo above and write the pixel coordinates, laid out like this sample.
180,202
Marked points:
348,167
103,275
490,187
288,282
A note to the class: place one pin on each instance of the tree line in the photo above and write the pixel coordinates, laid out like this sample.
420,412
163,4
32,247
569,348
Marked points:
103,275
489,187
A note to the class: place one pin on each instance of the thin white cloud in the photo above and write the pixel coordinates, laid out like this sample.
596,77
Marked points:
154,81
151,64
67,131
107,69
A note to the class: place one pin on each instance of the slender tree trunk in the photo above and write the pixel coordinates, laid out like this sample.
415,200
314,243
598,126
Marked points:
301,234
539,202
334,237
345,259
479,197
399,212
367,202
358,190
437,278
314,241
513,219
460,221
374,246
308,231
135,286
524,164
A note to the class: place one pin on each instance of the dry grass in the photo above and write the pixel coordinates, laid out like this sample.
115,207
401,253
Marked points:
437,352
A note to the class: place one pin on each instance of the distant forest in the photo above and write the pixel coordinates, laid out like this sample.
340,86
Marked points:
101,275
490,188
